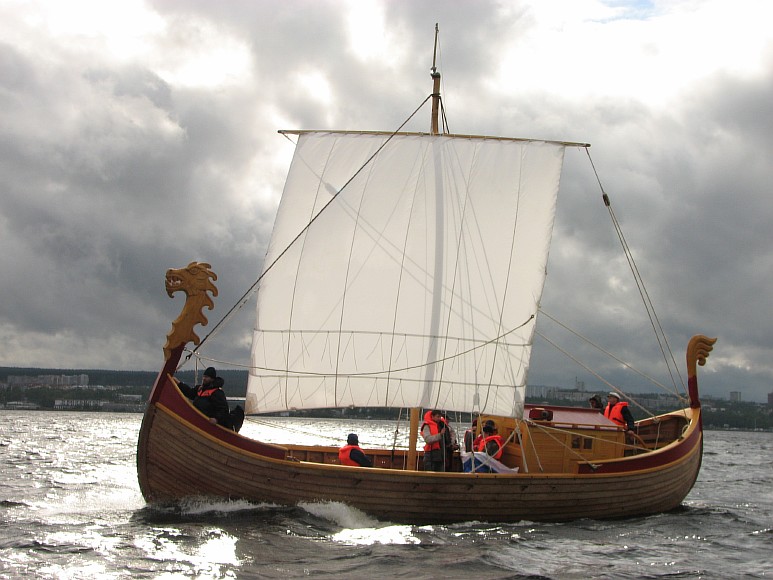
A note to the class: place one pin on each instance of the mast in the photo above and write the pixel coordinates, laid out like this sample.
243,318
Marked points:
413,435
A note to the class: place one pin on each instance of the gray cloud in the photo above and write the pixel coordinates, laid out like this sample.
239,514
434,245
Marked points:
112,171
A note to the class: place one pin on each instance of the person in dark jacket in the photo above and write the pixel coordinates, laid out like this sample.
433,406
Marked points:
450,445
351,454
470,439
209,398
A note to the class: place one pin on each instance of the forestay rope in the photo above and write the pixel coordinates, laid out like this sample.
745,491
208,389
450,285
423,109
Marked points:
246,296
657,328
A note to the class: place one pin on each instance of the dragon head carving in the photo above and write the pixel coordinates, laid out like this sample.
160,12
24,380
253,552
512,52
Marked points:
196,281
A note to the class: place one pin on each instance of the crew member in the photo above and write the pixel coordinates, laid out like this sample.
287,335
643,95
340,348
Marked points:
449,444
492,442
596,403
209,398
618,411
433,432
351,454
470,439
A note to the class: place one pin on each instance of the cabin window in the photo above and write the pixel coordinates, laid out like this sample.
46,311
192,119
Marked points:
575,441
587,443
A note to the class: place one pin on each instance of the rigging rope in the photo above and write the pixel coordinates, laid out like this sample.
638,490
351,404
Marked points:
594,373
245,297
397,431
654,320
660,334
612,356
369,373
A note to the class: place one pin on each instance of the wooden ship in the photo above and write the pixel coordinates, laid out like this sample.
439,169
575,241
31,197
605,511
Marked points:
405,271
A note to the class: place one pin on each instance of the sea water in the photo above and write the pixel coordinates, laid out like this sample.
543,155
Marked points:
71,508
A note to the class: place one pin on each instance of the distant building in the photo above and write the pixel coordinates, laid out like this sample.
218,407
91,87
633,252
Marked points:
538,391
735,396
770,399
78,404
22,406
131,398
59,381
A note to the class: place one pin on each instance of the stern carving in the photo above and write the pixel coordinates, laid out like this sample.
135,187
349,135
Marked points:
698,350
196,281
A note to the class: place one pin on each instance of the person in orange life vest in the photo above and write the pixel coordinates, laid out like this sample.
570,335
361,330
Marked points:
618,411
351,454
433,433
491,443
209,398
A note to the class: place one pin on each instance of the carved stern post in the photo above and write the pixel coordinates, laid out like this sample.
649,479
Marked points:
698,349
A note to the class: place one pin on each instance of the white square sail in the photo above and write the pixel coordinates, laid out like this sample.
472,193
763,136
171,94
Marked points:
417,286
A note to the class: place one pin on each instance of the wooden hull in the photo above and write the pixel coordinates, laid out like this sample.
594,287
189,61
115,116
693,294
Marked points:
180,455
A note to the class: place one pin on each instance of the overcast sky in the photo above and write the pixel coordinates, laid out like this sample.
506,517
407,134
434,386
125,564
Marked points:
138,136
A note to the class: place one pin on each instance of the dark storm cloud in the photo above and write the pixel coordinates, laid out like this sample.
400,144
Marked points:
113,169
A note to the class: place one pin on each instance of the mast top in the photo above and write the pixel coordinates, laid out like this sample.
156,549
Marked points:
434,52
435,130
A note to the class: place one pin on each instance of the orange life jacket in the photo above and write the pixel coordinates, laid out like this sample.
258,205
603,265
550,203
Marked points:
344,455
434,429
499,441
206,392
615,412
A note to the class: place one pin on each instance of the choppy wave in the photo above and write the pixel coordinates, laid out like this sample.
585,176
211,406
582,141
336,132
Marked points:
71,508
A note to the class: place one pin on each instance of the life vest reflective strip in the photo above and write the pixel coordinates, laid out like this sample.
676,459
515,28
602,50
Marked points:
615,413
433,429
344,455
500,443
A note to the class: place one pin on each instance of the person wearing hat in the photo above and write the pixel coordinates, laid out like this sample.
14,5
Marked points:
351,454
618,411
433,431
492,442
596,403
209,398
